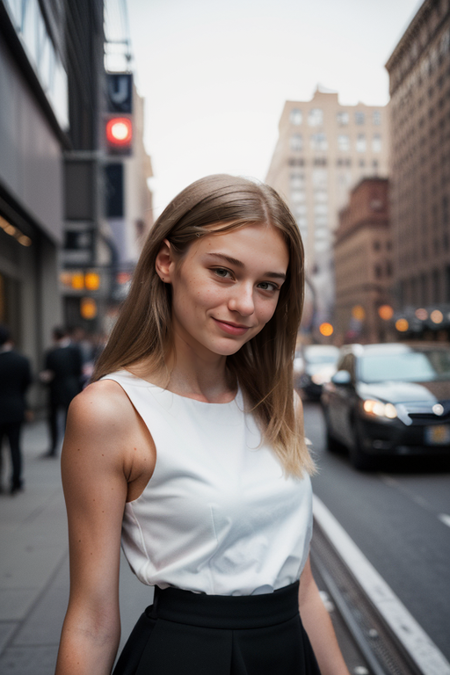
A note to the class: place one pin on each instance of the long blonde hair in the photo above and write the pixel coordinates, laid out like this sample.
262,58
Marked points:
263,365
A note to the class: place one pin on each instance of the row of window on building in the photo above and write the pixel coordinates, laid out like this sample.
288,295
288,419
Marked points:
426,288
322,161
315,117
319,142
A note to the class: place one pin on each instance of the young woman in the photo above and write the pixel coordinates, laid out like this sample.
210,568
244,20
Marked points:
189,447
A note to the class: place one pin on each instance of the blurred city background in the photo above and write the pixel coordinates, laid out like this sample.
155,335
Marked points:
107,110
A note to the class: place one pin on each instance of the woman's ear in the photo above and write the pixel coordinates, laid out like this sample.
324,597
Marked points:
164,262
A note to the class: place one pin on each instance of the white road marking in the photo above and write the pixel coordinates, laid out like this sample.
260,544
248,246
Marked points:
444,518
421,648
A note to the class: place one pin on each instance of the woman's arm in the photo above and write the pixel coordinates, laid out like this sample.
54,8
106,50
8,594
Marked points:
95,468
317,623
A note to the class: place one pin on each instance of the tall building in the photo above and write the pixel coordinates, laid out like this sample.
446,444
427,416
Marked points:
419,82
34,120
363,265
324,148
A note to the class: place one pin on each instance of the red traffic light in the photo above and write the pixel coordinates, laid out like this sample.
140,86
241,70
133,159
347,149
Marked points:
119,132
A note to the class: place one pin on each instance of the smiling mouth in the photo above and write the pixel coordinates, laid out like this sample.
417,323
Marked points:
232,328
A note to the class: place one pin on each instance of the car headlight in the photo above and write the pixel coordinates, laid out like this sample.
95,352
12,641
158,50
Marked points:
374,408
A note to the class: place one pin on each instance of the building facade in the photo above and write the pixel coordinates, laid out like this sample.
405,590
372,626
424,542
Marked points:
324,149
419,82
363,265
33,136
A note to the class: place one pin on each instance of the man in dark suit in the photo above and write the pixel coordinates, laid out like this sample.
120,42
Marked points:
15,378
62,372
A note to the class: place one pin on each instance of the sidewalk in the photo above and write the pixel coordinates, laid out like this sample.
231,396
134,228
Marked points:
34,566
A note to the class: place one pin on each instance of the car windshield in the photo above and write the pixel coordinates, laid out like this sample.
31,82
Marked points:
316,355
411,366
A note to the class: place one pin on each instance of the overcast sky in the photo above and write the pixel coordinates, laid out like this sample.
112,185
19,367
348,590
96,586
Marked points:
215,75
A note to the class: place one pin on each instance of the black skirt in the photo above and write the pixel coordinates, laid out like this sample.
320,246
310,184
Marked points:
186,633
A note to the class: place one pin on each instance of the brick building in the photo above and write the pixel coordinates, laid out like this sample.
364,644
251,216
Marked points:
419,71
363,264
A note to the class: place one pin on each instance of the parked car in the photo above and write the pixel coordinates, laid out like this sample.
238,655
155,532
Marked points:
317,365
389,399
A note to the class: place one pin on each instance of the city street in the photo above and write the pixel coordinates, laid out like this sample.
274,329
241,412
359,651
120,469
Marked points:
399,518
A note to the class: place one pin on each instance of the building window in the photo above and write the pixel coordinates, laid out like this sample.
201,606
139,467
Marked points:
342,118
297,196
299,210
297,180
320,196
319,142
447,283
361,143
445,212
359,117
321,234
436,286
320,209
296,142
320,161
321,246
389,268
376,245
376,117
376,143
296,116
361,163
315,117
320,178
378,272
375,165
424,289
343,142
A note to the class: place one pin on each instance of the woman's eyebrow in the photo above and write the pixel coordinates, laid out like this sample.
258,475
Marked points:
239,263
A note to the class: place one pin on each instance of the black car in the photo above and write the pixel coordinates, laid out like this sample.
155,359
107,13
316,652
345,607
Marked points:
318,364
389,399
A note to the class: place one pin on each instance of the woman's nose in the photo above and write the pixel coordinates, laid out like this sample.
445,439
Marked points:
242,300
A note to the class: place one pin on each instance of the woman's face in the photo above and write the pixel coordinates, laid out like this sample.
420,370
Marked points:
226,287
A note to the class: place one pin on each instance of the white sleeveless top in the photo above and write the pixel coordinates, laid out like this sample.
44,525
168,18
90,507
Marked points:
218,515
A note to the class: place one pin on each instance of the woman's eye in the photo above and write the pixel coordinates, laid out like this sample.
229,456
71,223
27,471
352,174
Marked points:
223,273
268,286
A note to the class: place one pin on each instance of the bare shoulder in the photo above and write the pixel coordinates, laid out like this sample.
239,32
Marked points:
101,420
103,404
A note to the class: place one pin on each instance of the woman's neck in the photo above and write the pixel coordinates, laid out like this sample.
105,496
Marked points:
189,374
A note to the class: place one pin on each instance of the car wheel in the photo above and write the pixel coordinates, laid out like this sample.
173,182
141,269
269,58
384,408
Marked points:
332,444
360,460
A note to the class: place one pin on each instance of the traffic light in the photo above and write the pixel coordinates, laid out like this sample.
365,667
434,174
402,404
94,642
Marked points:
119,135
119,118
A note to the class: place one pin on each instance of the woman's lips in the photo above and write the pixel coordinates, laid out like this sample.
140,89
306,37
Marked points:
232,328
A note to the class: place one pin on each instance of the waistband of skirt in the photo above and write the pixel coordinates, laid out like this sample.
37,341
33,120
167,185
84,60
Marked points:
223,611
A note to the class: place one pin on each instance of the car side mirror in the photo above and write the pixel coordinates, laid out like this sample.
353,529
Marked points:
342,378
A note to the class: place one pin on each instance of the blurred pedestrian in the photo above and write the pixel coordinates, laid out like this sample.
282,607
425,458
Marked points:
63,367
80,338
15,378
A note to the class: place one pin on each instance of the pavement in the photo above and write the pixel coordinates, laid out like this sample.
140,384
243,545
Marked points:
34,565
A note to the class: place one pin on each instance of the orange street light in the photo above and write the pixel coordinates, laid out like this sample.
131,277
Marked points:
358,313
402,325
385,312
326,329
